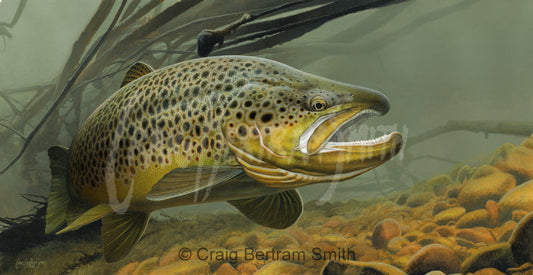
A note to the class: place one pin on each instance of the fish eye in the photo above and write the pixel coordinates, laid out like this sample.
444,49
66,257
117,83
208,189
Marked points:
318,103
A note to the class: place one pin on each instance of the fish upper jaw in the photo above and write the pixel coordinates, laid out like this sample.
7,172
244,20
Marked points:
312,142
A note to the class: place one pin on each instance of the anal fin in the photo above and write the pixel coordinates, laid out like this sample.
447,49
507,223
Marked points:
279,210
121,232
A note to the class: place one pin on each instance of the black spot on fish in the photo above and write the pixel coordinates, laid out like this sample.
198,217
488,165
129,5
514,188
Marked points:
165,104
248,103
233,104
196,91
186,145
199,149
131,130
228,88
183,105
242,131
238,115
161,124
266,117
197,130
178,139
240,83
177,119
282,109
254,132
215,124
266,104
185,126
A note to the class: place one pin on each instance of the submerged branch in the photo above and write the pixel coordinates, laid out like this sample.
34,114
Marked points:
487,127
18,133
67,88
16,17
304,22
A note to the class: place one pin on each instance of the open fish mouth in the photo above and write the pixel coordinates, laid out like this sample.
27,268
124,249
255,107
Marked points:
316,139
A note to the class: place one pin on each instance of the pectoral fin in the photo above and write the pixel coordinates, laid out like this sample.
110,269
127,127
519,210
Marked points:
137,70
182,181
278,211
121,232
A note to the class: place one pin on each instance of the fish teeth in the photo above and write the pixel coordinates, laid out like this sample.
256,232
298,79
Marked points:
361,142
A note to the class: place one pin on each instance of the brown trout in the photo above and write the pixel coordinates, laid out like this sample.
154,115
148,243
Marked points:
245,130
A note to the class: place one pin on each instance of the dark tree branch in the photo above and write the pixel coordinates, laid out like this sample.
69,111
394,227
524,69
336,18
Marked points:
304,21
16,17
484,126
13,130
67,88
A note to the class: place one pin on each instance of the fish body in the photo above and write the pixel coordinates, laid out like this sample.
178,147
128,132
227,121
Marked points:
240,129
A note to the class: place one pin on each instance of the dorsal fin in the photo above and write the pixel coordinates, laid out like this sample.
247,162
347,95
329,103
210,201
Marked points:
182,181
137,70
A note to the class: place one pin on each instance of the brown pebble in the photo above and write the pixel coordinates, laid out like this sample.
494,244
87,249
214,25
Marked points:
493,212
434,257
428,227
247,268
522,240
505,231
476,235
384,231
518,214
488,271
226,269
409,249
445,231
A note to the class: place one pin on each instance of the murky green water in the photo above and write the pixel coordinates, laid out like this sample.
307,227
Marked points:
435,60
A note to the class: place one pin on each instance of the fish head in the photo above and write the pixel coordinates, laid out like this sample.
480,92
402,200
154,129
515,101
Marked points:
282,124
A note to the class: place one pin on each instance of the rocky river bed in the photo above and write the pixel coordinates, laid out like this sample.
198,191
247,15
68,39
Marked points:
473,220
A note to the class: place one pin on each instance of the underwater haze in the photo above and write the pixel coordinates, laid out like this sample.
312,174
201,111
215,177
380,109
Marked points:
467,61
